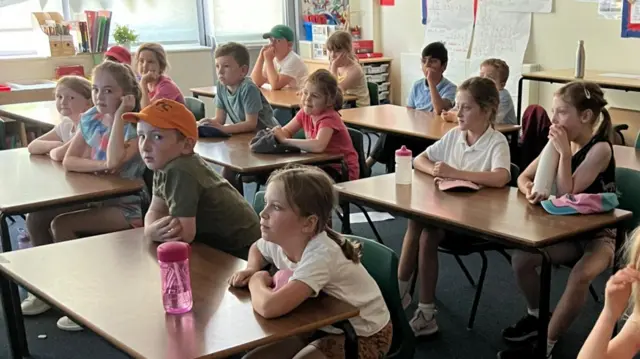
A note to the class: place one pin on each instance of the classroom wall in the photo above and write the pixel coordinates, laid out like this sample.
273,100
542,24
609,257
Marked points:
552,44
189,68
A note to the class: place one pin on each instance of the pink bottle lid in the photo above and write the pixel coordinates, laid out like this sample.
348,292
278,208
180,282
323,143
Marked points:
403,151
173,252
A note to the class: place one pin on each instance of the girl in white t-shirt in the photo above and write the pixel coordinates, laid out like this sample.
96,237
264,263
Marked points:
73,98
296,238
473,152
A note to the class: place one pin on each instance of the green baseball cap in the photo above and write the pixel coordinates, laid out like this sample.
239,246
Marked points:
280,32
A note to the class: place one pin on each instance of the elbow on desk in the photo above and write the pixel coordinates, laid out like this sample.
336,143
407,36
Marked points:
268,309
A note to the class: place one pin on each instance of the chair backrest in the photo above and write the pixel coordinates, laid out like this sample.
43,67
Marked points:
195,106
382,264
258,202
357,138
629,197
637,144
515,173
374,98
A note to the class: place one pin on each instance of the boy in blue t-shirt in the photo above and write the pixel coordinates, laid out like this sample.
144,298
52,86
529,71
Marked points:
237,98
432,93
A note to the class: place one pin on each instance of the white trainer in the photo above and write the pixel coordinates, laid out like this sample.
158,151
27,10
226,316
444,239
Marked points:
31,305
423,323
68,325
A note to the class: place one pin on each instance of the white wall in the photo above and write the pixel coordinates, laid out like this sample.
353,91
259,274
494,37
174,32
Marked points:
188,68
553,43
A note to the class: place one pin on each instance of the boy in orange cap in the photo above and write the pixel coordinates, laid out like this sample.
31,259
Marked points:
190,201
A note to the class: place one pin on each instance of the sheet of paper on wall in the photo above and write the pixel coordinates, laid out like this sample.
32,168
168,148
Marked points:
610,9
451,21
634,17
500,35
523,5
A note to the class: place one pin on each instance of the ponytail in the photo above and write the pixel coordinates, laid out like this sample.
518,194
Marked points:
632,253
605,129
338,100
350,249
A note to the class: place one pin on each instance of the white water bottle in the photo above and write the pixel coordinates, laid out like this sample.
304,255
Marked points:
404,171
547,170
580,60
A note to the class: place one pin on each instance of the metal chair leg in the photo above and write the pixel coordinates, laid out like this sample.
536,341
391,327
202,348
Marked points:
464,269
594,295
476,299
505,255
373,227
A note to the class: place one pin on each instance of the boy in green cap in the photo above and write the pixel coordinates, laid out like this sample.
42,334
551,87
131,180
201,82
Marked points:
277,64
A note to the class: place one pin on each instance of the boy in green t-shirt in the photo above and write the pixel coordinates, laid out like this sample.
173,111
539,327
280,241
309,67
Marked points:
190,201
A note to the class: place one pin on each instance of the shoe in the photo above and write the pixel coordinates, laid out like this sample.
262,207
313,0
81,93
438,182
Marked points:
68,325
423,323
526,328
527,352
406,300
31,305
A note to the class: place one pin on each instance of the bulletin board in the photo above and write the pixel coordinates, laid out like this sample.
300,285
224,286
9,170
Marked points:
424,10
630,18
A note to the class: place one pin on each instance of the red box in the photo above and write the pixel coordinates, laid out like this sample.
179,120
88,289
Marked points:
362,46
371,55
77,70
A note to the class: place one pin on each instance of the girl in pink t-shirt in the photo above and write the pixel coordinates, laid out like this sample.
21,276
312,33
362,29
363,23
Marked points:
323,127
151,63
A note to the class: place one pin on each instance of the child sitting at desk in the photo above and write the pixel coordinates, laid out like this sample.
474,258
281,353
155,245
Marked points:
73,98
473,152
586,165
620,287
152,64
432,93
344,65
277,64
238,98
296,238
498,71
190,201
104,143
323,127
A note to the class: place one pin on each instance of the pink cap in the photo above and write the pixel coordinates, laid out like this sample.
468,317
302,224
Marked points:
173,251
403,151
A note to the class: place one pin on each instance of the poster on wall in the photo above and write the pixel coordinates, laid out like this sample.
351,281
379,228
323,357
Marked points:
630,19
543,6
610,9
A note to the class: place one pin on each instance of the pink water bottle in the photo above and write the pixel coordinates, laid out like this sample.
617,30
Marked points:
176,280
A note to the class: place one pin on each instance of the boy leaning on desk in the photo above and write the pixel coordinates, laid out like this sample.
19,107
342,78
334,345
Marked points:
190,201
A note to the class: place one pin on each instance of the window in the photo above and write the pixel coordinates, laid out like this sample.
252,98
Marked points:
16,34
243,20
153,20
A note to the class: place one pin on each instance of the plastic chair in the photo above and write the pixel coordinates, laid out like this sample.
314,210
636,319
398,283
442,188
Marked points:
374,98
196,106
629,197
637,144
382,264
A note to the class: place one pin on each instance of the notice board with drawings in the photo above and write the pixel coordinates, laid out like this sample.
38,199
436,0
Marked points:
474,30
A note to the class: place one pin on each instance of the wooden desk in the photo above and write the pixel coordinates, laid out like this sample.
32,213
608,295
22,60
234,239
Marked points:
627,157
42,114
120,299
234,153
33,183
286,98
405,121
502,215
567,75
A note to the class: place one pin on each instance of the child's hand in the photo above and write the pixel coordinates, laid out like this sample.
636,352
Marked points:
558,136
618,291
431,77
441,169
206,121
149,78
262,277
166,229
279,134
269,53
127,103
533,197
449,116
241,278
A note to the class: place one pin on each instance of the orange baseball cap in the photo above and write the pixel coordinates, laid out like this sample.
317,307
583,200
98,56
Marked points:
167,114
